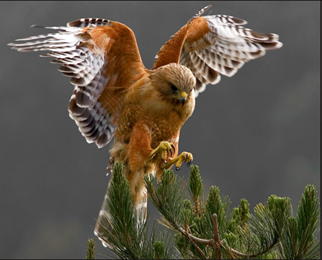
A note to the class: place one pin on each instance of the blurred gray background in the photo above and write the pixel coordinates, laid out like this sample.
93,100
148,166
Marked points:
253,135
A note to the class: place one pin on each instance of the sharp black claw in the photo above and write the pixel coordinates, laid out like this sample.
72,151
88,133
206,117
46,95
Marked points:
165,162
173,147
188,164
178,168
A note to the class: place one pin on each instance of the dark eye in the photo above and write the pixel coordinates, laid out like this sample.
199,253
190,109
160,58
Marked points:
174,88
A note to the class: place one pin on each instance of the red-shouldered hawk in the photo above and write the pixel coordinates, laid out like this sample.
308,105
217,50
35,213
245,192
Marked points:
115,95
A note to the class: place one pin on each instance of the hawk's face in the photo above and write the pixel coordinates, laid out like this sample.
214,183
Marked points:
175,83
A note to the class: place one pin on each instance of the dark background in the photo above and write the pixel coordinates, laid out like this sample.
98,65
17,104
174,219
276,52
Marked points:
253,135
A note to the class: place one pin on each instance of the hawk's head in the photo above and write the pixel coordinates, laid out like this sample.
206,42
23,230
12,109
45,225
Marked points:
174,82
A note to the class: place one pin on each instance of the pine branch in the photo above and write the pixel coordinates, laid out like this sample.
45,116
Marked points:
205,229
214,243
258,237
127,236
195,188
167,197
194,244
159,196
90,249
299,241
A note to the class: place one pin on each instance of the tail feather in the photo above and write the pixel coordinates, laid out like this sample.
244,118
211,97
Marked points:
141,208
102,226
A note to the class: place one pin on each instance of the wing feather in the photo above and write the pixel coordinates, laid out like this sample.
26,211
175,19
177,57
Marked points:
214,45
102,59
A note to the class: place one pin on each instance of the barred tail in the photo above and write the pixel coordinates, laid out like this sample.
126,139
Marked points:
142,206
102,225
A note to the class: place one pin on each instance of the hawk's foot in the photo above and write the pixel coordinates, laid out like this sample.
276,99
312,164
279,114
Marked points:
183,157
166,149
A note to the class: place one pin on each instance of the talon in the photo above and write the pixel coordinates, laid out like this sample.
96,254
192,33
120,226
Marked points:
165,148
173,147
184,157
165,162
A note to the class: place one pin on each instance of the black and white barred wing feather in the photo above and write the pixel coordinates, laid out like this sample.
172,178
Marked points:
70,47
87,50
228,45
213,45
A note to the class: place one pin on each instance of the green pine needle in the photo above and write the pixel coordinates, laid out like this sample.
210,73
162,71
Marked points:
90,249
195,187
270,232
299,239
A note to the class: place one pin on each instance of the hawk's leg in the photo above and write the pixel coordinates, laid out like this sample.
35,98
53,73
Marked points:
168,149
183,157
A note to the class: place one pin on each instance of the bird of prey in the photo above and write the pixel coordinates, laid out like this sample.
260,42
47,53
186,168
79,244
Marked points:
115,95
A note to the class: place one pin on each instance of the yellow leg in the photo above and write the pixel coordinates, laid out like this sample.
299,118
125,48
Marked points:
165,148
183,157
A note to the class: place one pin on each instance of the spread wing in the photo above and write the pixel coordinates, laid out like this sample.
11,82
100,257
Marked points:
103,60
214,45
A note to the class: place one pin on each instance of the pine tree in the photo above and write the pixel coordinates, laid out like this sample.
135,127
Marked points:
208,229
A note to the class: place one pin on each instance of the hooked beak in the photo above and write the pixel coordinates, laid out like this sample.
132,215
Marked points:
183,97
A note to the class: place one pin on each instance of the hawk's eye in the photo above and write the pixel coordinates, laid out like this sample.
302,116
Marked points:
174,88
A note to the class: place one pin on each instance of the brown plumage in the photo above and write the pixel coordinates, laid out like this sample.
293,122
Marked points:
144,110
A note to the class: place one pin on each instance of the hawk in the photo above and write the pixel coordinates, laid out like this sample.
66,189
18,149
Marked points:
144,109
